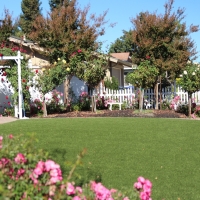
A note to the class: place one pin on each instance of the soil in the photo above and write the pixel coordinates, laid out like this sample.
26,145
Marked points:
121,113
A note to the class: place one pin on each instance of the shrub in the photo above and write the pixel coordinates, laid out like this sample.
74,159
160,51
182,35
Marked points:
55,103
84,101
111,83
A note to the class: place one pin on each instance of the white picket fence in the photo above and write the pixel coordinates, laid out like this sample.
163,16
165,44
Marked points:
129,94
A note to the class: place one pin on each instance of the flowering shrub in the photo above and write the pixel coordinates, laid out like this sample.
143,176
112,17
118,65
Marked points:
55,103
195,111
84,101
36,107
27,173
101,102
174,103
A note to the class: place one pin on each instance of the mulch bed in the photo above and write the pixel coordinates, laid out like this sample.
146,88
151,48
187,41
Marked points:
120,113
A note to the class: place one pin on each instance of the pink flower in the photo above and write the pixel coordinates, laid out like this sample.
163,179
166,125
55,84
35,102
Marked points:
79,51
148,183
141,180
10,136
20,158
1,138
38,171
6,97
70,189
76,198
138,185
50,164
79,190
144,196
20,172
55,179
54,172
126,198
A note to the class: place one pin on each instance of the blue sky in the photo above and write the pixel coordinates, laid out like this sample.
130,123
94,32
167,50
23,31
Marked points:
121,12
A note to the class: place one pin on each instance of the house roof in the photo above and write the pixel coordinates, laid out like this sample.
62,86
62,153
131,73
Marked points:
25,42
122,56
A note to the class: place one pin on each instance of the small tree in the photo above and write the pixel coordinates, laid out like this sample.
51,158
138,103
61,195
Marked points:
190,82
49,78
143,77
164,38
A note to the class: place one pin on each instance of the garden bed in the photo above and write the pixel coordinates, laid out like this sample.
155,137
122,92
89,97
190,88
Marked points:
121,113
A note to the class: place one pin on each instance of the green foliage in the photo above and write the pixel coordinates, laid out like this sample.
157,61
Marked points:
30,10
190,78
51,76
111,83
144,76
88,66
123,44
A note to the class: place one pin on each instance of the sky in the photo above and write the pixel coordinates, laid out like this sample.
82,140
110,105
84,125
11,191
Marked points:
121,13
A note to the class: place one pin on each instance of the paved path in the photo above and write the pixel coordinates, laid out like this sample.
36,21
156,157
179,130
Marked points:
7,119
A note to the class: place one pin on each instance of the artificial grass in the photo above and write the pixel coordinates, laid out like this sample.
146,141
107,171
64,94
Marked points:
166,151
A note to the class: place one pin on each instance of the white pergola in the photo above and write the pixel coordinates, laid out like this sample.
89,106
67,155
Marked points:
17,59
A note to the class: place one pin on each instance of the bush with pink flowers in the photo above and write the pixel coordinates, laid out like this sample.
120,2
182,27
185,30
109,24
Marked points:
28,173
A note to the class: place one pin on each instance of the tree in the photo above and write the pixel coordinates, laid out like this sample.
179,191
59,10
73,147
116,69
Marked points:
49,78
6,26
123,44
190,82
164,40
30,11
65,31
143,77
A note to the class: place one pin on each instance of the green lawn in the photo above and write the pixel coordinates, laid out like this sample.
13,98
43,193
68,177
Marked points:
166,151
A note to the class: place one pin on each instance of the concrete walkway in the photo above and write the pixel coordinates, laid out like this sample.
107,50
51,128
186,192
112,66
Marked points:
4,120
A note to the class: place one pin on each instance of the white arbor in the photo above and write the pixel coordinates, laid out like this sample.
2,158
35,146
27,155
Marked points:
18,58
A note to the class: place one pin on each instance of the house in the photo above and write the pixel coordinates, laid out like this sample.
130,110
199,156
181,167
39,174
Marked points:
128,66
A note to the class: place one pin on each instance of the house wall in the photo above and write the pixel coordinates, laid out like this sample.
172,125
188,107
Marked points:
36,58
116,70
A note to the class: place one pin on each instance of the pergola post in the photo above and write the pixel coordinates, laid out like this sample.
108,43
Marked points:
17,59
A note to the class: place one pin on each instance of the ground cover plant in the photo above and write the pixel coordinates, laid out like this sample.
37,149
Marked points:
166,151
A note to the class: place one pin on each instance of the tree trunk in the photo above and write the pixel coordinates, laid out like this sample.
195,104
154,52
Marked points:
156,95
189,104
66,89
160,94
141,99
44,108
